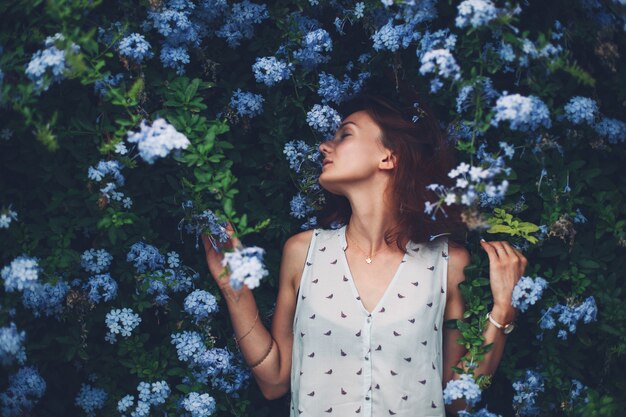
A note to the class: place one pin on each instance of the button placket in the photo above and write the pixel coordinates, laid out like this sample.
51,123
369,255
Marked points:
367,366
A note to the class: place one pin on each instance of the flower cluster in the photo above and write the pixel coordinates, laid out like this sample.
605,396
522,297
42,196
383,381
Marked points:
324,119
45,299
90,399
464,387
150,394
332,90
96,261
470,181
12,345
238,23
26,387
50,65
568,316
612,129
102,86
246,103
246,267
104,168
527,389
314,44
440,62
475,13
270,70
527,291
157,140
297,152
145,257
101,287
522,113
23,272
200,304
6,217
159,279
300,207
199,405
581,110
120,321
197,223
135,47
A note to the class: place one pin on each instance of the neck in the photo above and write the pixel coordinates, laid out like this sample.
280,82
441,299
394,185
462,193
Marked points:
369,221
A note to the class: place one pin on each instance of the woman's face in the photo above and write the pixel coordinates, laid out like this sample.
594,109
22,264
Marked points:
355,153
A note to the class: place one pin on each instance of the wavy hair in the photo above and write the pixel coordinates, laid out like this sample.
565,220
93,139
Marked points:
424,156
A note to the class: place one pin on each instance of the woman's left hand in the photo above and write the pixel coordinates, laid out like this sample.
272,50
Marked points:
506,267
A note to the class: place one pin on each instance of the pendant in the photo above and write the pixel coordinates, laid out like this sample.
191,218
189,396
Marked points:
368,260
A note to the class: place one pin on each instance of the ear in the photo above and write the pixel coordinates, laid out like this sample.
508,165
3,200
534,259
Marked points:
389,161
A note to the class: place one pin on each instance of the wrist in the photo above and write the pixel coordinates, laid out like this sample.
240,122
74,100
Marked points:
503,314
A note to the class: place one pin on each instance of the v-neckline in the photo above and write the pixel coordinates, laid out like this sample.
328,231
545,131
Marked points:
355,291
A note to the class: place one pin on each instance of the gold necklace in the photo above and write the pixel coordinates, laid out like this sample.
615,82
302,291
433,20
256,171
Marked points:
369,258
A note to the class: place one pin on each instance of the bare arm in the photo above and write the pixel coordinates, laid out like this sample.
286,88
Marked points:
455,307
273,374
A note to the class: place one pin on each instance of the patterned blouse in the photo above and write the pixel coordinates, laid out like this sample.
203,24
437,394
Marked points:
348,361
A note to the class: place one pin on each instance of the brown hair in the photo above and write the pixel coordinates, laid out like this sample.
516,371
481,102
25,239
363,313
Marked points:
424,157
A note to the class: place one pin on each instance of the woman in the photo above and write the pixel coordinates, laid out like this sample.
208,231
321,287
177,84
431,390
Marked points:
358,324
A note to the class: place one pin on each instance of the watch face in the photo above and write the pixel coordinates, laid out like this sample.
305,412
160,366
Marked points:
509,328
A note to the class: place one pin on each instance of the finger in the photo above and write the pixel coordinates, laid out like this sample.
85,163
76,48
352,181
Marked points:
503,249
489,249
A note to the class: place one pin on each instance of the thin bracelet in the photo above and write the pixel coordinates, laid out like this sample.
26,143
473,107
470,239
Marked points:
265,356
248,332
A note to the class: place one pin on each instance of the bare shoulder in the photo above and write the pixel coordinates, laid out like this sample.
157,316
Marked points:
294,256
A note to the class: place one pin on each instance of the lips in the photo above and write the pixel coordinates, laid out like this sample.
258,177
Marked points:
327,162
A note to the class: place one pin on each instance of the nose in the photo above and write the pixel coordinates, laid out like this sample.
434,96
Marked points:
324,147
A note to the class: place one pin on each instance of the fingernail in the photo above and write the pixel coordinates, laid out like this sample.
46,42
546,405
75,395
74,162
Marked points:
482,240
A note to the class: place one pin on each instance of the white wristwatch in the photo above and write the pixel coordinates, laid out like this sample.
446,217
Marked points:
506,328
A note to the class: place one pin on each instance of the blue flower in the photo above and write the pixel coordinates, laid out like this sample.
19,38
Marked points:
157,140
175,57
101,287
522,113
331,89
527,291
464,387
246,267
26,387
299,206
188,344
12,345
612,129
581,110
23,272
246,103
296,152
200,304
45,299
125,403
90,399
527,390
199,405
238,23
104,168
324,119
96,261
145,257
475,13
135,47
102,86
313,45
120,321
49,65
270,71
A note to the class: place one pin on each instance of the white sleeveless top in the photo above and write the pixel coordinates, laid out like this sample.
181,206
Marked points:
348,362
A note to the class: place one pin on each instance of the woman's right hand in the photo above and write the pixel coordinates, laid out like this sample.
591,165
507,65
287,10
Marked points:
214,259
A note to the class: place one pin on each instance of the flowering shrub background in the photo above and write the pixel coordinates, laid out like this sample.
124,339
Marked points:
128,128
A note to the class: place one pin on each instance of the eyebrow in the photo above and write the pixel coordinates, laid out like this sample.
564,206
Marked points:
345,123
